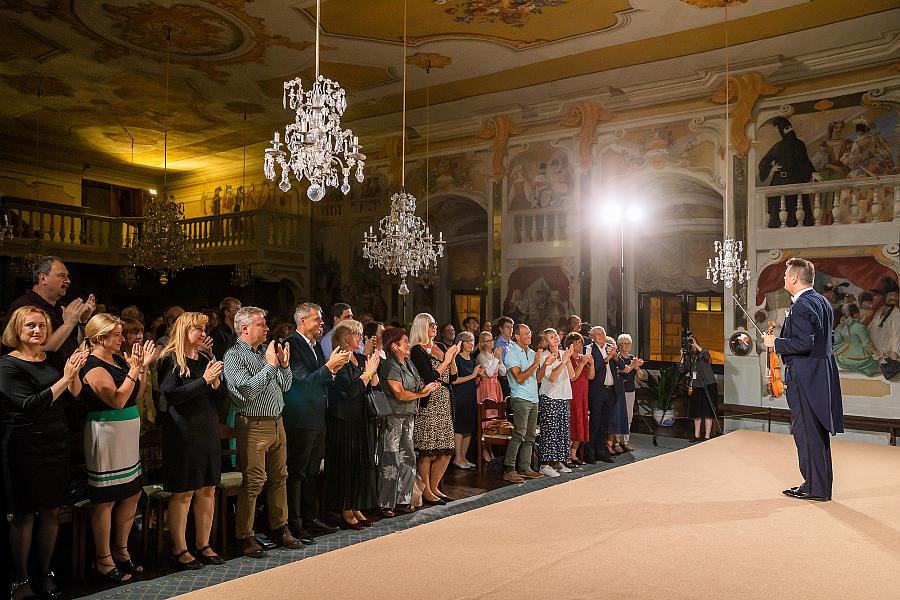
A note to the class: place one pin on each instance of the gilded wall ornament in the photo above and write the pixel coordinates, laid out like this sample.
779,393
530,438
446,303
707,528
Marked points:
744,90
500,128
588,115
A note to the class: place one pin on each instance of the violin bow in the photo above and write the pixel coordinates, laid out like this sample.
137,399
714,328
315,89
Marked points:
749,318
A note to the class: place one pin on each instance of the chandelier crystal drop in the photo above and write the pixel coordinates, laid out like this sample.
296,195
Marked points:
317,148
403,245
162,245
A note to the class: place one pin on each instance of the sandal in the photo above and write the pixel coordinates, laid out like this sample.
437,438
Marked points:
17,588
209,559
114,575
191,565
51,589
126,564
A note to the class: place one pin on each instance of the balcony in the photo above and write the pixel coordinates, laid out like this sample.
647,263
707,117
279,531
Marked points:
257,236
828,213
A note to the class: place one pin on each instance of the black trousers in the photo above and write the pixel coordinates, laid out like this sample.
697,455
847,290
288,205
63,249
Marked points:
813,443
601,402
305,448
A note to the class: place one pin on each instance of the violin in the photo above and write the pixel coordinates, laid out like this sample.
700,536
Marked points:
774,385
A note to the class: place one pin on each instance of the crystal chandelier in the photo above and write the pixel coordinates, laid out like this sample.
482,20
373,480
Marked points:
6,230
161,244
727,265
315,139
24,267
128,277
403,245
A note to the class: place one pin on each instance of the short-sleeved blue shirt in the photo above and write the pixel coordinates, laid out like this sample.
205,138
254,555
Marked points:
517,357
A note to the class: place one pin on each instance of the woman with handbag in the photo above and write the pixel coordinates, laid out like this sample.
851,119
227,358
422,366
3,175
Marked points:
402,387
349,456
34,386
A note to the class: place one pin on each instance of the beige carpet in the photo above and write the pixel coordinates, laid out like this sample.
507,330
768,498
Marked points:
705,522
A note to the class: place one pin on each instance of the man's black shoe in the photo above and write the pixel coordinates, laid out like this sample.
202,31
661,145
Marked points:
605,458
306,538
317,525
796,493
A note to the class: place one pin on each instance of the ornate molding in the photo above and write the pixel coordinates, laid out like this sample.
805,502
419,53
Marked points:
879,98
500,128
745,89
588,114
428,60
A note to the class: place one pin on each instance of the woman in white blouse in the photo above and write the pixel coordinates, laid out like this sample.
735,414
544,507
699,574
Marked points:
491,362
555,378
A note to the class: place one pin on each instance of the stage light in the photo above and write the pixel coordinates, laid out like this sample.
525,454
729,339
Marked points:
151,191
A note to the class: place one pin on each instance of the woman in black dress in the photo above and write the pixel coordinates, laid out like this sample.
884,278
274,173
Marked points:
35,445
110,386
465,387
190,384
349,445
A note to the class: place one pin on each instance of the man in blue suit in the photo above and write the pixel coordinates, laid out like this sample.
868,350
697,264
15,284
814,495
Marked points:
304,419
604,391
812,386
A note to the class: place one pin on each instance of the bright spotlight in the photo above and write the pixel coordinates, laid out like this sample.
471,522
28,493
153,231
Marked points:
151,191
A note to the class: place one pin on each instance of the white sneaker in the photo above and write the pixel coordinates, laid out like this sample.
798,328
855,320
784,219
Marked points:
564,469
548,471
471,465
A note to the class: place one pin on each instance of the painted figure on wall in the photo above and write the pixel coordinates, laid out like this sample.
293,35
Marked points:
869,154
853,349
884,326
540,178
787,161
827,159
538,296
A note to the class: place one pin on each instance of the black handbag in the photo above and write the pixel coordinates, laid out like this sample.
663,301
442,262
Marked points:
378,403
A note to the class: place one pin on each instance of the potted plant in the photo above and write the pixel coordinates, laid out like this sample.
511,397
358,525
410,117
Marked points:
660,388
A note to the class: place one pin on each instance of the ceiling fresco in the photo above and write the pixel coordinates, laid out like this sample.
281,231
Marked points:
124,82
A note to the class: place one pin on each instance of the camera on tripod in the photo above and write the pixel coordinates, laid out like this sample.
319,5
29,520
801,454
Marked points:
687,342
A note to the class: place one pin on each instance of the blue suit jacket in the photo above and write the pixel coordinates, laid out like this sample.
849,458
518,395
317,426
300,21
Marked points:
810,368
617,364
305,402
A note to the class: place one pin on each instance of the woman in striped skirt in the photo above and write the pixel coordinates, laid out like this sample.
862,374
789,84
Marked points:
110,387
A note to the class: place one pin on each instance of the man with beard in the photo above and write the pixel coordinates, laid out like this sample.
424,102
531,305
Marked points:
788,162
884,328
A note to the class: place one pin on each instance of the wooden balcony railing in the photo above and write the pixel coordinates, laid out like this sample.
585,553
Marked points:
105,240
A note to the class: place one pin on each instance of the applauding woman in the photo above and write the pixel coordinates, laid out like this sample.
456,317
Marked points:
349,447
465,386
191,389
554,376
35,445
110,385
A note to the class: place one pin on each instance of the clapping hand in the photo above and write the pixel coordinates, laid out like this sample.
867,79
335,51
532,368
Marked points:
213,373
453,350
88,308
338,359
372,365
72,311
206,344
479,369
568,353
369,347
149,353
272,356
74,364
283,354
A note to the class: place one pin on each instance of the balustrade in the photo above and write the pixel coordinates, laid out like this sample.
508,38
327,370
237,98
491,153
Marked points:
830,203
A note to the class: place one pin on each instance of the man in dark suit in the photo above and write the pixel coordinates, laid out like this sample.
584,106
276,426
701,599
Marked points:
813,388
603,391
304,419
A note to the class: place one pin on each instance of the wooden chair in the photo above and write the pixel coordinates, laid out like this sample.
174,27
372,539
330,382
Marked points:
154,510
229,486
489,411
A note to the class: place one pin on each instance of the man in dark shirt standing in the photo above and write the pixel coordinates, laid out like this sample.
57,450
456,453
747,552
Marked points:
224,336
51,282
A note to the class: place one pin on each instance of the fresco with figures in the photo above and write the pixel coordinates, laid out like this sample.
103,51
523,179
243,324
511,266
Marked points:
848,137
864,294
539,295
456,174
540,178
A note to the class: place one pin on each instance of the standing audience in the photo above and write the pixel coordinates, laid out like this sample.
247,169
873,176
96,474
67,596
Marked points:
433,433
554,376
337,313
522,364
256,376
603,391
349,446
465,385
578,409
34,385
629,374
191,389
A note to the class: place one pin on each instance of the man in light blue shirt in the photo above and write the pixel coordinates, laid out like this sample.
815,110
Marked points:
504,335
338,312
521,369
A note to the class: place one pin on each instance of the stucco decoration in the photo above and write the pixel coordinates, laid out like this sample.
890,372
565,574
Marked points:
588,115
500,128
744,90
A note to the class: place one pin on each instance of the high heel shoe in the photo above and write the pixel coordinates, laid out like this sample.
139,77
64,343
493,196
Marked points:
212,559
114,575
126,564
345,524
191,565
50,589
17,590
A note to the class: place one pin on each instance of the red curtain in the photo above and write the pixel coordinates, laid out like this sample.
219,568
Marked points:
863,271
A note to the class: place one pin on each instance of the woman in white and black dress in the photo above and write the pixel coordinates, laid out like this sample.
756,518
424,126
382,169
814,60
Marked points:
191,389
110,386
34,385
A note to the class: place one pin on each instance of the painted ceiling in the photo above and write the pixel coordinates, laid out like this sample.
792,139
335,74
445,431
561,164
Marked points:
125,82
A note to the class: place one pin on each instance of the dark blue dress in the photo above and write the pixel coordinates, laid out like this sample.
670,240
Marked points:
465,395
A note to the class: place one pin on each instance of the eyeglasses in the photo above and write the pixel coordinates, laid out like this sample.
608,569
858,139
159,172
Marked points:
432,324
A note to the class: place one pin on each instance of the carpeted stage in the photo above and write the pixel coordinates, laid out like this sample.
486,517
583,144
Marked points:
708,521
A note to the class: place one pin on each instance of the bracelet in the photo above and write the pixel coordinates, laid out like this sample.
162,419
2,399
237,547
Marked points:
127,376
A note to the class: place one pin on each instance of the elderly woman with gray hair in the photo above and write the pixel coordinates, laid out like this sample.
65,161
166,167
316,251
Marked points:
465,387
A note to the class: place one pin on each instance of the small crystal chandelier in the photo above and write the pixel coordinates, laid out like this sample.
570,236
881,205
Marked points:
403,245
24,267
6,230
162,244
315,139
241,275
727,265
128,277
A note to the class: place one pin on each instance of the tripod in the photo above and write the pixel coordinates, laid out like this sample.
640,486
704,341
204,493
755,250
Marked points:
685,367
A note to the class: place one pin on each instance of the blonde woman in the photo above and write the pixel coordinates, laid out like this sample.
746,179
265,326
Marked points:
191,389
34,387
555,393
110,386
433,432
